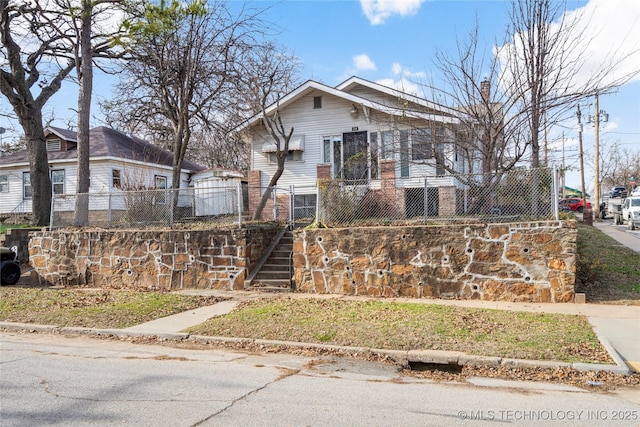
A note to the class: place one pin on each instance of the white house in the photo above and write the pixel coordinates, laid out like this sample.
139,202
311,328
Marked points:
118,162
360,130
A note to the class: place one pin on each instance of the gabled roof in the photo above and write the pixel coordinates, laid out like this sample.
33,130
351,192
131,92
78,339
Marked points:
446,114
66,134
354,81
108,143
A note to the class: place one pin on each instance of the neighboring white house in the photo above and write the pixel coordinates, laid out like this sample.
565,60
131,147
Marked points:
362,130
118,162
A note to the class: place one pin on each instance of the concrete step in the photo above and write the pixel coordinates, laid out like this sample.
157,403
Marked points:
275,267
271,284
281,275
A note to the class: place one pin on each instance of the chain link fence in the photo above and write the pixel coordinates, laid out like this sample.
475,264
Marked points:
516,195
513,196
120,209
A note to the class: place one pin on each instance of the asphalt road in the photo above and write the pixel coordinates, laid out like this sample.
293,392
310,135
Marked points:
77,381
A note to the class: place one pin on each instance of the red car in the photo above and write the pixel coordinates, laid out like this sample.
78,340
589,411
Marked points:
573,204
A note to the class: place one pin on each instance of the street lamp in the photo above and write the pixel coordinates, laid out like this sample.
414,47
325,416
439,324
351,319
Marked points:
599,116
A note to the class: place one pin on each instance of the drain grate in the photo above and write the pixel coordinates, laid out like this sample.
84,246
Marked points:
452,368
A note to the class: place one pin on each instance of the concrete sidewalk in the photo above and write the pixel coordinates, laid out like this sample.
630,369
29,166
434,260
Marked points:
628,238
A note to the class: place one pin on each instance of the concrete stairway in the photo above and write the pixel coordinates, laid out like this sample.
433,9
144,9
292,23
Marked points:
275,273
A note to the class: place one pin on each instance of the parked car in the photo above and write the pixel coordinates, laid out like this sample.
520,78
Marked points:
618,192
9,267
630,213
574,204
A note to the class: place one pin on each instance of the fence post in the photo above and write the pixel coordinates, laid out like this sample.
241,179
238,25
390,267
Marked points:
174,205
275,204
425,200
555,193
239,196
193,202
53,203
291,207
317,205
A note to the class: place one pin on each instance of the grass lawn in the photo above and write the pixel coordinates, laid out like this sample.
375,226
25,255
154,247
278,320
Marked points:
5,227
408,326
103,309
607,271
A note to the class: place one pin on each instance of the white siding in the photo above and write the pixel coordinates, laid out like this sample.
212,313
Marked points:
101,179
333,118
13,199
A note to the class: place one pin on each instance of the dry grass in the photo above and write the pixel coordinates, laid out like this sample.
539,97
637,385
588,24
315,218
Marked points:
407,326
92,308
607,272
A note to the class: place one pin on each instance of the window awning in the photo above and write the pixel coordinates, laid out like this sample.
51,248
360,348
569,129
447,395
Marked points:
295,144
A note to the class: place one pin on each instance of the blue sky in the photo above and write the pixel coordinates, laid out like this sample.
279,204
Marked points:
393,42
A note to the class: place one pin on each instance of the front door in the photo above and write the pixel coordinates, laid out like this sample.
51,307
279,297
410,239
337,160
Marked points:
354,156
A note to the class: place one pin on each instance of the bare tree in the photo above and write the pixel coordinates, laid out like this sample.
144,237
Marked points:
618,165
267,74
536,79
215,147
181,71
31,52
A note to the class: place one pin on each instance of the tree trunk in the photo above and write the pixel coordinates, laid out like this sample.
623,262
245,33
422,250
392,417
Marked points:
31,123
282,156
84,65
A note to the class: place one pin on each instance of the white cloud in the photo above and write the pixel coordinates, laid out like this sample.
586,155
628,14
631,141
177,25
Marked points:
363,63
403,85
614,26
397,69
605,33
406,81
377,11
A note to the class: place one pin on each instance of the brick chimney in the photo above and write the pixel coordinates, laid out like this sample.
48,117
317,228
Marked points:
485,90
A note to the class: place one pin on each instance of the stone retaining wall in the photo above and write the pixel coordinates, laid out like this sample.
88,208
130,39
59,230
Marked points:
532,261
158,259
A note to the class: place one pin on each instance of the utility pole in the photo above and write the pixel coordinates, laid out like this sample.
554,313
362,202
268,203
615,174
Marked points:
584,197
564,185
596,167
546,145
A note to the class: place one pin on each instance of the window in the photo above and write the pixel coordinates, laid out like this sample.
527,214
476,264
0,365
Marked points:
26,185
373,143
317,102
161,186
421,144
387,145
4,183
404,153
57,181
440,159
116,180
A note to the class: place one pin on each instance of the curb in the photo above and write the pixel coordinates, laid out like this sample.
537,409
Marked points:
402,357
